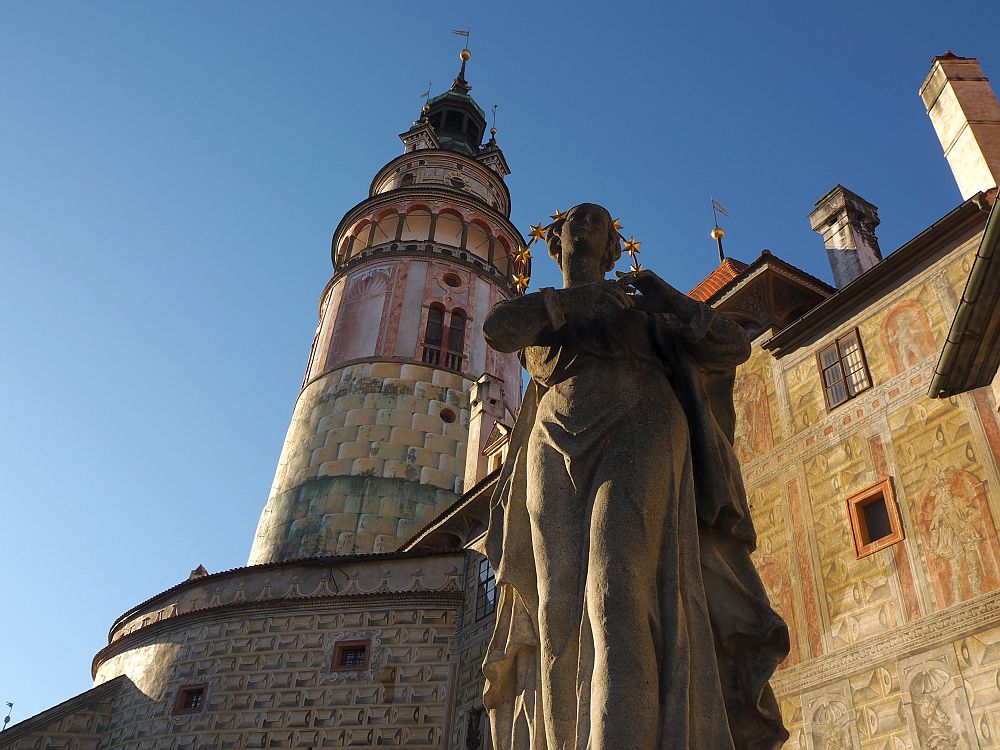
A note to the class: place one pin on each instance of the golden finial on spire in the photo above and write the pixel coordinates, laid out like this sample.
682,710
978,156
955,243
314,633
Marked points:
465,55
717,233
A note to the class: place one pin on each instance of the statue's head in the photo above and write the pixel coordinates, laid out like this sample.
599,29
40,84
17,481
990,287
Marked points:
587,228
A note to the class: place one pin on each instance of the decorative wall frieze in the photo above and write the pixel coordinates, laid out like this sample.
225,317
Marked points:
949,625
347,579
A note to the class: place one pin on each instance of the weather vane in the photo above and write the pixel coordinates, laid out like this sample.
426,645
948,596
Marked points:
538,231
717,233
463,33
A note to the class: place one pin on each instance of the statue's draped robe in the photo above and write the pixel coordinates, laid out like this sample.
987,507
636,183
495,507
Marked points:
630,615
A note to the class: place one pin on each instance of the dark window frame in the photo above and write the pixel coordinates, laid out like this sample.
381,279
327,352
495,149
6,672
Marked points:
882,491
842,369
486,590
341,648
455,342
434,334
182,698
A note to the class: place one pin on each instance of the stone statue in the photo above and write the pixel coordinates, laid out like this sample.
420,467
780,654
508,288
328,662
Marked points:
630,616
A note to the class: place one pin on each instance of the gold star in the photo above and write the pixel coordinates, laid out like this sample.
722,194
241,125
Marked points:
538,232
558,215
522,256
636,266
631,246
520,280
617,226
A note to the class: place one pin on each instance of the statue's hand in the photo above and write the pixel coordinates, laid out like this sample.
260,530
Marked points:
591,300
645,280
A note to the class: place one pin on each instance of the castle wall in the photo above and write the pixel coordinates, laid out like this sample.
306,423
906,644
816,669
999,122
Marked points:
470,729
261,641
367,461
77,724
888,650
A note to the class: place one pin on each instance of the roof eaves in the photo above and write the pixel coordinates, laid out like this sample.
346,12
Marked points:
906,258
979,304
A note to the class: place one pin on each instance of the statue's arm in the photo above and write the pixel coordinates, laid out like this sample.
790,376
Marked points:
517,323
530,320
710,337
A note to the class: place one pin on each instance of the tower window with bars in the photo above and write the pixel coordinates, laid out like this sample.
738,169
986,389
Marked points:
456,340
433,335
844,369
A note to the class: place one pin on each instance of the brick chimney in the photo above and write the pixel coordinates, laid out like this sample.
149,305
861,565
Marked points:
847,224
966,117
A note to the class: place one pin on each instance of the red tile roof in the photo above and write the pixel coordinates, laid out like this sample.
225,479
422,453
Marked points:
728,270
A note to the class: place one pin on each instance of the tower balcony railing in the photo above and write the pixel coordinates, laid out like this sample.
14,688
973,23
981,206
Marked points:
432,355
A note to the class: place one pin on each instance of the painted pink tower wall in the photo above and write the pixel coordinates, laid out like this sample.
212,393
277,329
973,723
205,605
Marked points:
378,439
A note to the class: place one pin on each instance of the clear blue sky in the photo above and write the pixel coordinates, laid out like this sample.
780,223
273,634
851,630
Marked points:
172,172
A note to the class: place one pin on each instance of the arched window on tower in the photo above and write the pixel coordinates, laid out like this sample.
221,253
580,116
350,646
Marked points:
456,341
385,229
433,334
417,226
449,230
478,241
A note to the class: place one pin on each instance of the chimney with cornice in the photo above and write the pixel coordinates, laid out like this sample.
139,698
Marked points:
847,222
966,117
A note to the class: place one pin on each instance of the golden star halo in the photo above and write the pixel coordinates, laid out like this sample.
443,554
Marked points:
538,232
520,280
631,246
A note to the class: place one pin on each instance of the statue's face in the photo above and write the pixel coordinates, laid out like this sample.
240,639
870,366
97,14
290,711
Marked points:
586,229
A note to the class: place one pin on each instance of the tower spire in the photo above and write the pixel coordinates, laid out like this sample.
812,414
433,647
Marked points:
460,84
457,121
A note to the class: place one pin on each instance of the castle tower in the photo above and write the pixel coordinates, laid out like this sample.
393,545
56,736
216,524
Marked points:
378,438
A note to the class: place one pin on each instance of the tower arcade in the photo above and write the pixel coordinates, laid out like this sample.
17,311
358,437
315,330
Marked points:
378,438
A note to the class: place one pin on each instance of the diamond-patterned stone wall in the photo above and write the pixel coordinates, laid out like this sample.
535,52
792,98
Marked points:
270,682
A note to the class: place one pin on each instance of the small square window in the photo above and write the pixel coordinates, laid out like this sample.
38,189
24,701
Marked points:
351,656
190,699
844,369
874,519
